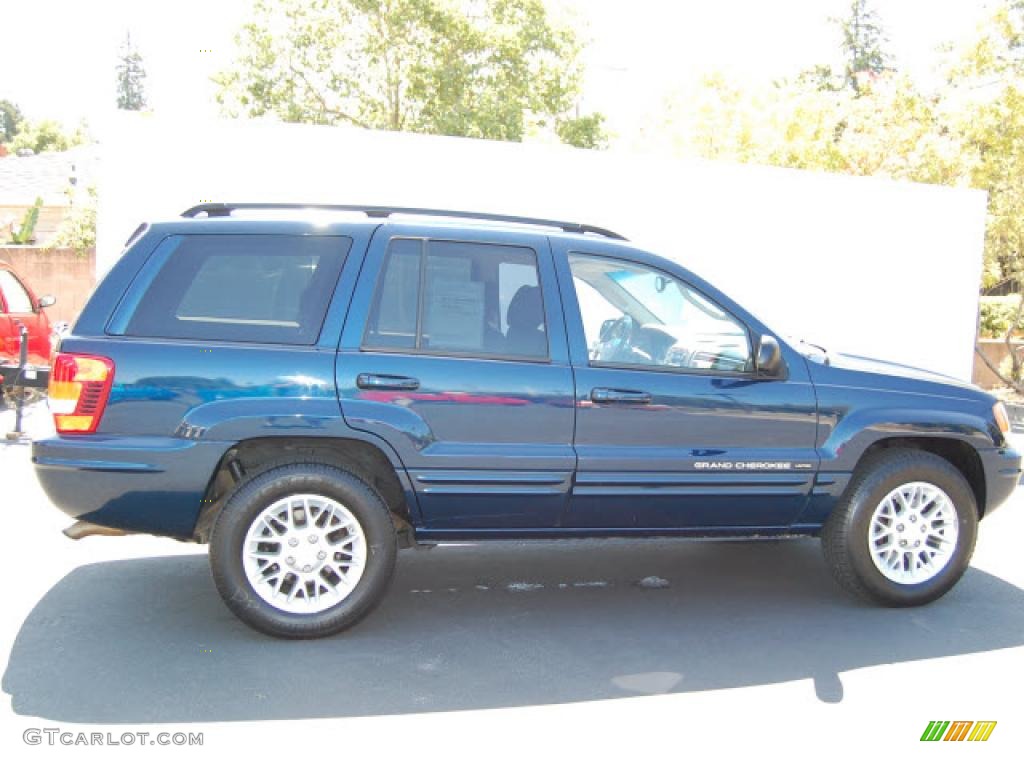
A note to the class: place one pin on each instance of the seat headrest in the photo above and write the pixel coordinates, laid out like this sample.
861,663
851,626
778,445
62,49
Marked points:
526,310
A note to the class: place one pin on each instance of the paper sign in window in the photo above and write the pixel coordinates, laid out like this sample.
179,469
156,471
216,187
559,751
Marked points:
454,315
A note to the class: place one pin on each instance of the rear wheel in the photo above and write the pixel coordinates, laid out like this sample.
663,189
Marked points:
303,551
904,531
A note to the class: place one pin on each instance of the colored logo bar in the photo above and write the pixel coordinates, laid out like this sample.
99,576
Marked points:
958,730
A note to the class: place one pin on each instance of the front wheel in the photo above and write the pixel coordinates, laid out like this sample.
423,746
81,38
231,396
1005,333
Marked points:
303,551
904,531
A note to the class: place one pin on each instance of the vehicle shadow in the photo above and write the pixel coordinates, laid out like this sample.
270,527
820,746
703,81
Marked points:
495,625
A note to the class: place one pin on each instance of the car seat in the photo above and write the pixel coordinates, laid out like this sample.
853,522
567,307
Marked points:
526,336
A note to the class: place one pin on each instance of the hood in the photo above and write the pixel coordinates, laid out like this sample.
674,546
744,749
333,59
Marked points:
839,369
886,368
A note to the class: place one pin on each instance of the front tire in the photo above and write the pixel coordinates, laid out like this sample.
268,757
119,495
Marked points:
303,551
904,531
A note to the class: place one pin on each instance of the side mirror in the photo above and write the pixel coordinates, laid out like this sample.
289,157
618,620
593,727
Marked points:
45,301
769,357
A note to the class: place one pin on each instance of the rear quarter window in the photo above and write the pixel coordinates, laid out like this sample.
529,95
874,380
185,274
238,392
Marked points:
249,288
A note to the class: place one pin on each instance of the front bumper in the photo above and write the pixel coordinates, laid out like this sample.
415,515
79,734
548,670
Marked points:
139,484
1002,476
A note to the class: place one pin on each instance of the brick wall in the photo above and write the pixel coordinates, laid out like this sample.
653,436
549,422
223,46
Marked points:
61,272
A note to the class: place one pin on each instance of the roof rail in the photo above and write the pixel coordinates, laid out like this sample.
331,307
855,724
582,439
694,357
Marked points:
384,211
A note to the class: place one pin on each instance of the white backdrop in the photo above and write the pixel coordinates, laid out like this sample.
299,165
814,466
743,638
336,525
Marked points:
866,266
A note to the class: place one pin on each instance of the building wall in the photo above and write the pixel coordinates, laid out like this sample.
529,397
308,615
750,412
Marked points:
62,272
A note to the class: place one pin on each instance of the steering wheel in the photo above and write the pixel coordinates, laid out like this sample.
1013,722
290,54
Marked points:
617,339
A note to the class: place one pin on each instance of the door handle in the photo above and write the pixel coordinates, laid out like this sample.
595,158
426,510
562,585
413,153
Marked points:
386,381
604,395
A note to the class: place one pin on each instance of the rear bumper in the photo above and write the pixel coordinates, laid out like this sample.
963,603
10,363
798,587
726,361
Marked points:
140,484
1002,476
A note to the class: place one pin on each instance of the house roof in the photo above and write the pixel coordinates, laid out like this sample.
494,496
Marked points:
47,175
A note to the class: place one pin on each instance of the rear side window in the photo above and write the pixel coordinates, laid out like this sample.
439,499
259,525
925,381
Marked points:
254,288
474,299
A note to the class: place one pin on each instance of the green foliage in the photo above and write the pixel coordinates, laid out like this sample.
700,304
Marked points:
586,132
863,41
821,78
997,314
131,76
889,129
989,82
78,230
10,120
26,233
46,136
484,69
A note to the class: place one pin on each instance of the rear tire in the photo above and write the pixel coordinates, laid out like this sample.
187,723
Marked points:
904,531
303,551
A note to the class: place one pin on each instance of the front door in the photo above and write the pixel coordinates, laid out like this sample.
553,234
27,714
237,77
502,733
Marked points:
675,429
454,352
19,305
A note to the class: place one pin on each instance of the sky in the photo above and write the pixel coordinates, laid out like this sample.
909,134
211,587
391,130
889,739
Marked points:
60,64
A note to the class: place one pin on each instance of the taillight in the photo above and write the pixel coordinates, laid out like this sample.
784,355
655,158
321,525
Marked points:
79,387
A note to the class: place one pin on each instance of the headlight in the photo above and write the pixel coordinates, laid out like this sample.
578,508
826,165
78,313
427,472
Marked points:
1002,419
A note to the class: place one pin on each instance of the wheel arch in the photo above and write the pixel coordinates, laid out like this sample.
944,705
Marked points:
960,453
251,457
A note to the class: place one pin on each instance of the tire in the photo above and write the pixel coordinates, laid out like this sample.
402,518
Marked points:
267,516
882,570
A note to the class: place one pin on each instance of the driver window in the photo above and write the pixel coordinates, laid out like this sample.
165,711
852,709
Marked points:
18,301
635,315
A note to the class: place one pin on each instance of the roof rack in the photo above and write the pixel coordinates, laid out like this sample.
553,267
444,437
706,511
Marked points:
384,211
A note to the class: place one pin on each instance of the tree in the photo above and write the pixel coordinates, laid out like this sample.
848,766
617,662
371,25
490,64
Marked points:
47,136
478,68
586,131
863,41
10,120
988,81
889,129
131,76
78,229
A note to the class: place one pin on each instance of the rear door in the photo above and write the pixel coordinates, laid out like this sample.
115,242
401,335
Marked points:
454,352
675,430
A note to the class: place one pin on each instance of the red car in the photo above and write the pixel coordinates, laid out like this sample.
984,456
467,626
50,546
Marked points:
20,305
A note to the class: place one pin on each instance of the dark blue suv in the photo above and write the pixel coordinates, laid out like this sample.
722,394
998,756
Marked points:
309,389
